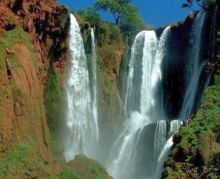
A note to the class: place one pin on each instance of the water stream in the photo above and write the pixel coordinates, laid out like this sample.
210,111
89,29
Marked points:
145,139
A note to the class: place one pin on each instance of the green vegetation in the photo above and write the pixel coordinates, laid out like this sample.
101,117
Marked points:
116,7
131,22
68,174
196,150
90,15
126,15
110,47
21,159
83,168
53,97
16,36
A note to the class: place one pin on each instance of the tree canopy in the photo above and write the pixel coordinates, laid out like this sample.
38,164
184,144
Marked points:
116,7
125,14
90,15
131,22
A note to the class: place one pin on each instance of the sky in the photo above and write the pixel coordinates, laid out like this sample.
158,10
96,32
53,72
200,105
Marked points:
154,12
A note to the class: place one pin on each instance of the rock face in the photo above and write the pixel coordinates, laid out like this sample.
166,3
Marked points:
33,53
44,21
178,53
32,37
196,149
217,46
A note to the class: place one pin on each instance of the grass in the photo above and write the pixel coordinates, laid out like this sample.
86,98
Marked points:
16,36
19,158
22,157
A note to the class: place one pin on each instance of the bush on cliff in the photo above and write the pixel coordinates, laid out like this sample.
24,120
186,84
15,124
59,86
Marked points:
196,150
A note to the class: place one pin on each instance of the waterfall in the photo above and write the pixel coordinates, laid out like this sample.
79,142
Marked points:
174,126
94,84
141,106
140,149
81,120
160,137
161,159
194,68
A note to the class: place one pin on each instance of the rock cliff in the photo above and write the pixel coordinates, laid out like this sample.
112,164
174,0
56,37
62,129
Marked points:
196,149
33,54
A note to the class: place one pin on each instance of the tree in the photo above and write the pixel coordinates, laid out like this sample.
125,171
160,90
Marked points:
126,15
116,7
90,15
131,22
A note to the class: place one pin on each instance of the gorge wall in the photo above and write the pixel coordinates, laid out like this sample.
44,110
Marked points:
33,58
33,54
196,149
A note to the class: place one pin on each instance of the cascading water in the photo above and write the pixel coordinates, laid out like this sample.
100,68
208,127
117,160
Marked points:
160,137
140,149
194,70
94,84
81,120
141,105
166,145
195,67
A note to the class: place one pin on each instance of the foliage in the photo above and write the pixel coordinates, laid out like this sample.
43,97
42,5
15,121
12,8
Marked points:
125,14
90,15
68,174
116,7
131,22
197,145
21,157
52,98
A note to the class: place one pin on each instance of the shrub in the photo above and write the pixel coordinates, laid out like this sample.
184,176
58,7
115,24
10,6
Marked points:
68,174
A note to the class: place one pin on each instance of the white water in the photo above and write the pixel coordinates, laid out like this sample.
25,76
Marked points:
140,103
165,144
160,137
174,126
161,159
94,84
81,124
195,67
